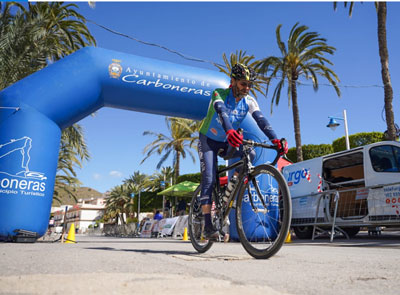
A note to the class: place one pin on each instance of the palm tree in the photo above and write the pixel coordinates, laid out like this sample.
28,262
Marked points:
66,180
381,10
167,173
136,184
30,39
73,151
73,137
183,136
160,177
116,203
159,180
34,37
302,57
243,58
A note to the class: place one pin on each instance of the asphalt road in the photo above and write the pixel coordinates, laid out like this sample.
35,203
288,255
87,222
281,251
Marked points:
104,265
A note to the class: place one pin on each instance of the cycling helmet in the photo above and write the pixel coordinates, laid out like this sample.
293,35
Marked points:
241,71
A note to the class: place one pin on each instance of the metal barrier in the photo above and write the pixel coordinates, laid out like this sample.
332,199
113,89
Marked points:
346,209
94,231
172,227
126,230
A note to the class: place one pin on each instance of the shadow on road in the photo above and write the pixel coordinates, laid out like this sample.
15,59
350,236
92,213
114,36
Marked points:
145,251
127,241
183,255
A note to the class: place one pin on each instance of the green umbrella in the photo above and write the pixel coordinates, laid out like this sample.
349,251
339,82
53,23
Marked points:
183,189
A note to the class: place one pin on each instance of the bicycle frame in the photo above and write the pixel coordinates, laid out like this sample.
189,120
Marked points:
244,172
261,200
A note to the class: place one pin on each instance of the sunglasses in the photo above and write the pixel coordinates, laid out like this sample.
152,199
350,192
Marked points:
246,84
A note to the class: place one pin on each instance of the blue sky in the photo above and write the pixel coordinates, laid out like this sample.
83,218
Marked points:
206,30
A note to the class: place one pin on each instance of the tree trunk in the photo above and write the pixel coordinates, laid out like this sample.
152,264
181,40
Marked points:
296,122
384,57
117,217
177,164
122,218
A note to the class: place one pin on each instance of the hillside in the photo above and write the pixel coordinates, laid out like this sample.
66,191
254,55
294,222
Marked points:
81,193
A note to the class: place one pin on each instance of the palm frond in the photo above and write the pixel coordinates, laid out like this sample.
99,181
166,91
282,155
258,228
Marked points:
242,57
281,45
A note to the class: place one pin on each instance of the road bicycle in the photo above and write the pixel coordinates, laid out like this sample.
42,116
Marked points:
262,202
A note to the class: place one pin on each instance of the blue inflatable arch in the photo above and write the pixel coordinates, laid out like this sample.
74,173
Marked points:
34,110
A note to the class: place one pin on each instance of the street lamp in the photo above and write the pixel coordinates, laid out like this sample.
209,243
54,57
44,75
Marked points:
333,124
138,214
163,197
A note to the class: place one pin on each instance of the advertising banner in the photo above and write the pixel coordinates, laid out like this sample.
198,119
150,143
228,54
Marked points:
147,228
168,226
180,225
384,202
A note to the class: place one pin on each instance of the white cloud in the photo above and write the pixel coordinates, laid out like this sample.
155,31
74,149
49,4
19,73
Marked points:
97,176
116,174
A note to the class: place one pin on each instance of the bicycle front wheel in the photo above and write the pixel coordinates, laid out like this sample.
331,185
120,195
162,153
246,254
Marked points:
196,224
263,212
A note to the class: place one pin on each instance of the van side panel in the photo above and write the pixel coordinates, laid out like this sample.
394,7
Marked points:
304,178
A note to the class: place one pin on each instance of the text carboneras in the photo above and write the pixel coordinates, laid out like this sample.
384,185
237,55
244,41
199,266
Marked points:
25,187
133,75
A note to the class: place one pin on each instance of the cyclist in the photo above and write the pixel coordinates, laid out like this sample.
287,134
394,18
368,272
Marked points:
227,109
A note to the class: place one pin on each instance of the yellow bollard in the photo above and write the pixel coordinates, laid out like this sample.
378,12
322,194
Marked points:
288,238
185,235
71,235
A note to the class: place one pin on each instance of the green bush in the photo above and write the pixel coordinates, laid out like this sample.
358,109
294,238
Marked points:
131,220
292,154
310,151
358,139
149,201
194,177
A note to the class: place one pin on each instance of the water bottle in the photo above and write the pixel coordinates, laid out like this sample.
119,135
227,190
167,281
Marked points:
231,187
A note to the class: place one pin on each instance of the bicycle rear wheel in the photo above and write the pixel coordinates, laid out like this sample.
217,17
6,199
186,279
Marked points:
263,225
196,224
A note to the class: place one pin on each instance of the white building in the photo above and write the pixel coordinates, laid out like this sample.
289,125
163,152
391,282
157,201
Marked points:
83,214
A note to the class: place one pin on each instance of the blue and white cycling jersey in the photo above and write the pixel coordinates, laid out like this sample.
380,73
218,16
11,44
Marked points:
232,115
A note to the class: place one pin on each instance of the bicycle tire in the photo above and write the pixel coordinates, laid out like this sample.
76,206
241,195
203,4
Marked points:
270,225
196,224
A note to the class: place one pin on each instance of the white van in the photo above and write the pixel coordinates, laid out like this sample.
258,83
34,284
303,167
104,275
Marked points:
352,188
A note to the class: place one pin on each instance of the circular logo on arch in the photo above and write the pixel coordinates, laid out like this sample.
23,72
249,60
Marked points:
115,70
